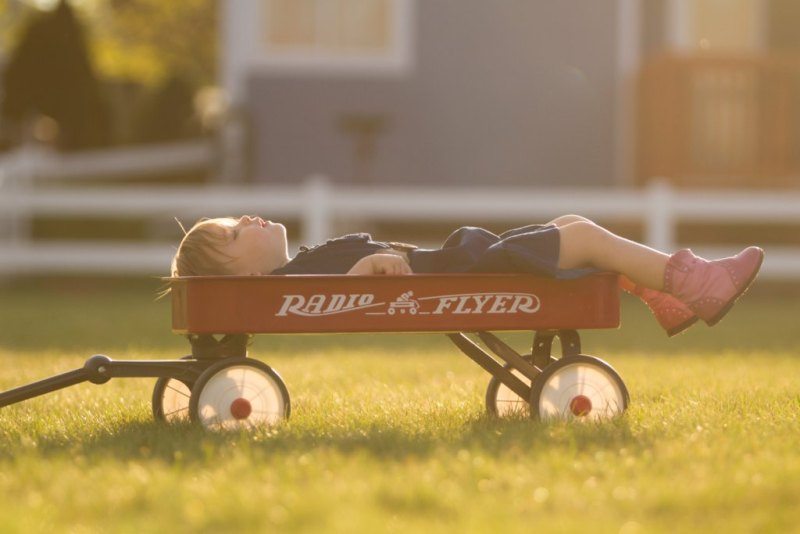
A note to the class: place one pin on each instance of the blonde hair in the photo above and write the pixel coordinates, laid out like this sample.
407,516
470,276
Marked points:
199,251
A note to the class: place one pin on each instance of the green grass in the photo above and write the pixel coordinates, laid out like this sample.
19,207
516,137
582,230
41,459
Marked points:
389,433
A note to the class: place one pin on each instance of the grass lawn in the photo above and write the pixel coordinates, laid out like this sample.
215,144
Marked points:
389,433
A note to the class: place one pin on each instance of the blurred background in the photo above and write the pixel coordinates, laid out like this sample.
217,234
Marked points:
674,122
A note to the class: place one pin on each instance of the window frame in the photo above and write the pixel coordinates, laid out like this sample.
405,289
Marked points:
398,60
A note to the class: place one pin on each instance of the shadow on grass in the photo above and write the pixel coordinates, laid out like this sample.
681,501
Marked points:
188,444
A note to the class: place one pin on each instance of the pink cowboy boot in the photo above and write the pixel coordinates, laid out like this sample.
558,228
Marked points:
673,315
709,288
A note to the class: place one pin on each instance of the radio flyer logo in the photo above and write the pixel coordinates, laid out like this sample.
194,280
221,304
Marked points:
320,305
404,303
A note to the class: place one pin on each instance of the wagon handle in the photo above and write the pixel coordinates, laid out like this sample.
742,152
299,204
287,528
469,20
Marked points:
99,369
41,387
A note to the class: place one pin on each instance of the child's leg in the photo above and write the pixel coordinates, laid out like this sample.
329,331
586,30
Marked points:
624,282
585,244
708,288
568,219
580,233
565,220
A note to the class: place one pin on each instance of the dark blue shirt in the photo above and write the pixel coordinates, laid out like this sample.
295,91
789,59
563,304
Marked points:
530,249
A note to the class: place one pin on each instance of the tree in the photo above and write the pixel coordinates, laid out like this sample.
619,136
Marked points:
168,113
49,73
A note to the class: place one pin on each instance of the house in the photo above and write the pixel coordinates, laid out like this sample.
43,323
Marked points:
512,92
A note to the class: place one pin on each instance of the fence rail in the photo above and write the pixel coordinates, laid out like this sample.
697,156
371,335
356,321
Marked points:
318,206
31,162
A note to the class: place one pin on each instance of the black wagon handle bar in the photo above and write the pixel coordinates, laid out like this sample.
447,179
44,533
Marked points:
100,369
41,387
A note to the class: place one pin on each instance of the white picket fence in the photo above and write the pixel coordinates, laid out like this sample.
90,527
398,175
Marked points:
318,206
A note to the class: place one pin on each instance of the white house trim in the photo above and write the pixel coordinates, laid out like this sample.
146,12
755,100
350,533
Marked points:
678,22
628,59
239,35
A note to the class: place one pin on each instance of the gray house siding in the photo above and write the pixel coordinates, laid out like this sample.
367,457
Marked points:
506,92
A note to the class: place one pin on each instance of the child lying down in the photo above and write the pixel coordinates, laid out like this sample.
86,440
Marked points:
679,288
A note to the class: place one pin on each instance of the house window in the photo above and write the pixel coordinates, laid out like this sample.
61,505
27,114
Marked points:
337,34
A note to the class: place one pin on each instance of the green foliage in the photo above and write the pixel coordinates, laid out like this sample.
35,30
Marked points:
151,40
388,433
168,49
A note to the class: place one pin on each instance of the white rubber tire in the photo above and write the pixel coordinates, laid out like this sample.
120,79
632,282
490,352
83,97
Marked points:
171,400
502,402
239,393
578,387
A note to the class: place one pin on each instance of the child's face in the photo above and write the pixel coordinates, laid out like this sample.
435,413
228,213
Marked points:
254,245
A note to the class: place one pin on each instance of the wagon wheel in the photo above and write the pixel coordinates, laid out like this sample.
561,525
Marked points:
578,387
171,398
501,401
239,393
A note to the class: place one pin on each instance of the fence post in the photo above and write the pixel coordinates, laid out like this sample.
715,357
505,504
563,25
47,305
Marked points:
660,217
17,178
316,224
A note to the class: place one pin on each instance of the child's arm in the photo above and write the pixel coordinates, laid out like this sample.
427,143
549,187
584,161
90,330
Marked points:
381,264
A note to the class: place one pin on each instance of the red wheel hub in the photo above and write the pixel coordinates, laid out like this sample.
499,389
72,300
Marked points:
241,408
580,405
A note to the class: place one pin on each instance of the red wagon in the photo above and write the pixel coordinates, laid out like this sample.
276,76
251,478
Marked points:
219,386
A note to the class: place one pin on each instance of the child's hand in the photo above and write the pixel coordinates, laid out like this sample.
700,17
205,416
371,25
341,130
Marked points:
381,264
